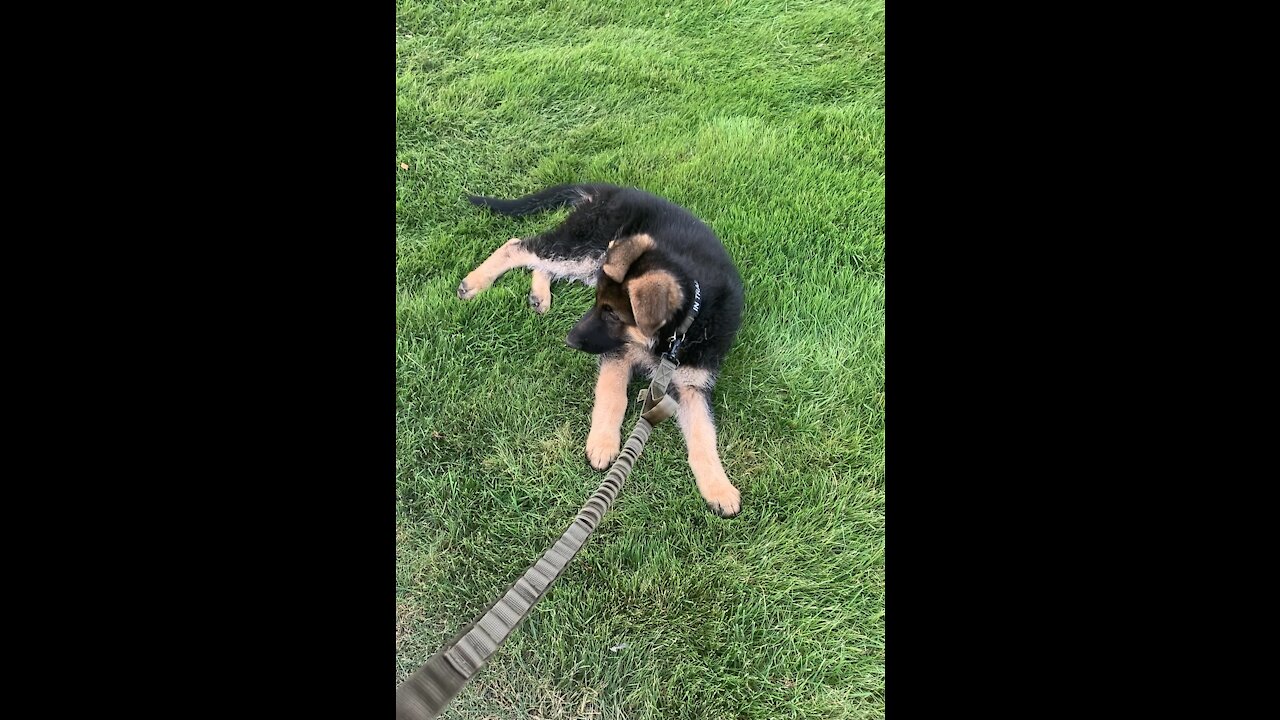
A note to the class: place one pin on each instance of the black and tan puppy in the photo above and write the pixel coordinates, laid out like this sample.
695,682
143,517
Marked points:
644,255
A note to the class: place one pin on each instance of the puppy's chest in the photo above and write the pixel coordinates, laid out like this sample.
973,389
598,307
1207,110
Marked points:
644,363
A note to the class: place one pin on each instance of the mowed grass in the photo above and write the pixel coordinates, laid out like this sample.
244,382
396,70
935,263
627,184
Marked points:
765,118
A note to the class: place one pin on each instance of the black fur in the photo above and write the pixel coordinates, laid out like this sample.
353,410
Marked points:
684,246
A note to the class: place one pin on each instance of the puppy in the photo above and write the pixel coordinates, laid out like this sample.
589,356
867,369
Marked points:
647,258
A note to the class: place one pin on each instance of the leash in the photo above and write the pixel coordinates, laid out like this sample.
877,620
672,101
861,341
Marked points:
430,689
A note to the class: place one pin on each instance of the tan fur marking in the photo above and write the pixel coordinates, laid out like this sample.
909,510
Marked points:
697,377
694,418
509,256
605,440
623,252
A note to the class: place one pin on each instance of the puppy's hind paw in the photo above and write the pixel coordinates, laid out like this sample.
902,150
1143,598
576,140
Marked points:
539,303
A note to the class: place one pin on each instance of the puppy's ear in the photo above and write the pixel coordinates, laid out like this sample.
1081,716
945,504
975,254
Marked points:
655,297
623,252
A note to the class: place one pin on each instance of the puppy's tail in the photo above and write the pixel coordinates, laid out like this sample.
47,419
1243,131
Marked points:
553,197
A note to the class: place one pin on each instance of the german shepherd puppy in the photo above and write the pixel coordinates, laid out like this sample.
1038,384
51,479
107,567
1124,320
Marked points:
643,254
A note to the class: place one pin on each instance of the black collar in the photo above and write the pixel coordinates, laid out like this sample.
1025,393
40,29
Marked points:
677,338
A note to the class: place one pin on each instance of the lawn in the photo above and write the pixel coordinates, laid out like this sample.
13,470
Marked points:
766,119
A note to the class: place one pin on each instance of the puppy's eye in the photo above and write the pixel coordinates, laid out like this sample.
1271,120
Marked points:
607,309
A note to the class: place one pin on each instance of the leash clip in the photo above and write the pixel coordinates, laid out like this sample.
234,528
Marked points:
674,348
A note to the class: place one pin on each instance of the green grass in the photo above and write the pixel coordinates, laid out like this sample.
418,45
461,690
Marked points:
766,119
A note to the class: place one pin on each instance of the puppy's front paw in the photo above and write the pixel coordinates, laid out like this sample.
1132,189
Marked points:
723,499
602,449
465,291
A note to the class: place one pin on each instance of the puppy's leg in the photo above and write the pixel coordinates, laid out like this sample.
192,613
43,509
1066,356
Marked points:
605,439
540,294
512,254
694,418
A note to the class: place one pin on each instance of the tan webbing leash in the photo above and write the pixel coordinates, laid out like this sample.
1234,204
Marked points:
426,693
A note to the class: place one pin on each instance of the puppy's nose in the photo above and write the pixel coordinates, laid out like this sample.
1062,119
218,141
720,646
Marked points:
573,342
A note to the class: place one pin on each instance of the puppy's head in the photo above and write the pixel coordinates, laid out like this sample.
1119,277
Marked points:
633,300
